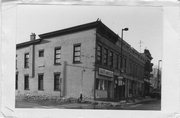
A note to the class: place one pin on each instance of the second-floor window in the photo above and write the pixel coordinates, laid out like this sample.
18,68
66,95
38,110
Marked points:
77,53
41,53
125,63
111,59
57,56
26,60
116,63
99,53
16,61
105,56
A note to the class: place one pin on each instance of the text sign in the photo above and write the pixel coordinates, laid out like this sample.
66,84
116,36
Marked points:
105,72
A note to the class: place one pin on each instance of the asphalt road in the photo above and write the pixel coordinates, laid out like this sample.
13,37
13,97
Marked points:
147,105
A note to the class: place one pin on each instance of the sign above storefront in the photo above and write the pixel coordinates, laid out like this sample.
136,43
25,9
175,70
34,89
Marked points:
105,72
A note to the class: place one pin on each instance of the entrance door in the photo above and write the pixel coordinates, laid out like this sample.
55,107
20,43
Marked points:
117,91
109,89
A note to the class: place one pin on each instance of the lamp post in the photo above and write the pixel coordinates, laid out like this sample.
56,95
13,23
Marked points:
124,29
158,75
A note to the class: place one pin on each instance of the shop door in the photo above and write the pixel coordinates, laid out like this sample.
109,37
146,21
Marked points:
117,91
109,89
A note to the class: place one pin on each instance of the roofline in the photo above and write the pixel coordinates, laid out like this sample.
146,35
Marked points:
91,25
25,44
71,29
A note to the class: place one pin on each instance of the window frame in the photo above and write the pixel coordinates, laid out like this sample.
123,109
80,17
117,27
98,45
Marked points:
111,59
16,86
26,85
75,51
59,80
39,84
16,61
40,52
99,57
26,60
116,59
55,54
105,56
101,84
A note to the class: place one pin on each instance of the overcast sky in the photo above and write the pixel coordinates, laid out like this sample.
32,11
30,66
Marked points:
144,23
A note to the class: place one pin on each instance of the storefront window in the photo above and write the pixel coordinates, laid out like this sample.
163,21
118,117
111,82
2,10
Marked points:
101,84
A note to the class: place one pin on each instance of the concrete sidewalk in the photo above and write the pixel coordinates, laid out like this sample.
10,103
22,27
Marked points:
86,104
123,102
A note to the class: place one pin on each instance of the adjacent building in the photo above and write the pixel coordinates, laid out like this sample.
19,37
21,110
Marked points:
155,79
88,60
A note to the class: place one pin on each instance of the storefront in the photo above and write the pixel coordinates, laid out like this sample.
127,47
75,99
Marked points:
119,88
104,84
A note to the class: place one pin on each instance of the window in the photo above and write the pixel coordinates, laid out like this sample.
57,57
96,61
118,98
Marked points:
77,53
111,59
56,81
105,60
116,61
57,56
120,63
125,64
40,81
26,60
16,81
101,84
99,53
26,82
16,61
41,53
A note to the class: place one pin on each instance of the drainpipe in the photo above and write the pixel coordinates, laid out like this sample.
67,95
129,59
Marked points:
32,38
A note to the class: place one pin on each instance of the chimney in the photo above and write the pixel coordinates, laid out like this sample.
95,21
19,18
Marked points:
32,36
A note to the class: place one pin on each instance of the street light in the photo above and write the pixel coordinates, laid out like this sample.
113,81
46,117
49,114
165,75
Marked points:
158,74
124,29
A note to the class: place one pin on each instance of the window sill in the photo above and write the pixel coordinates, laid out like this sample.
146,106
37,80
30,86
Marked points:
26,89
41,90
77,62
57,64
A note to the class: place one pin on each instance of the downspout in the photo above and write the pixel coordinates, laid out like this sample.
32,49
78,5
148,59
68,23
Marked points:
95,68
32,38
33,61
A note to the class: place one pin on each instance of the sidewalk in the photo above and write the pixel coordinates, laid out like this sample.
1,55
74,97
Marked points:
122,103
86,104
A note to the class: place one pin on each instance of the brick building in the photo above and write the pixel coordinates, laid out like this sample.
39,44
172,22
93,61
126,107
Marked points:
81,60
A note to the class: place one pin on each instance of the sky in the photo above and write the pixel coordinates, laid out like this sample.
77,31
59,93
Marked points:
145,23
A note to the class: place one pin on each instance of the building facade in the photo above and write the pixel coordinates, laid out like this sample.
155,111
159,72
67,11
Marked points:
88,60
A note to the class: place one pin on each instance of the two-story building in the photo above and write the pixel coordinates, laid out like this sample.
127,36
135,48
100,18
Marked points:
87,60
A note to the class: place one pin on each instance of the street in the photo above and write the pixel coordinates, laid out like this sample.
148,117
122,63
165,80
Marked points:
145,105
